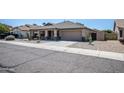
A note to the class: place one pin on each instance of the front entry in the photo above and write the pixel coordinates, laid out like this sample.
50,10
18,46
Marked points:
93,35
50,35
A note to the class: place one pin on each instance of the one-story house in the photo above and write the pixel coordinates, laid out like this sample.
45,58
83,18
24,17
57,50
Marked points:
119,28
22,31
66,30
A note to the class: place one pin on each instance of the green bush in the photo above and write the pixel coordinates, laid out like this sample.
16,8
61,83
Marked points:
10,37
3,28
110,36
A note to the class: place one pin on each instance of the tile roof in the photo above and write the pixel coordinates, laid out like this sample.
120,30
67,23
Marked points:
24,28
68,24
119,22
62,25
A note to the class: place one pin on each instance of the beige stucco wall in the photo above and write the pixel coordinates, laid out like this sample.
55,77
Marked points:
20,33
86,33
123,33
99,34
118,33
77,34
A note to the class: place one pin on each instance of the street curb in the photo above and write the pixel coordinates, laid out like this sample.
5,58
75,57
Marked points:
89,52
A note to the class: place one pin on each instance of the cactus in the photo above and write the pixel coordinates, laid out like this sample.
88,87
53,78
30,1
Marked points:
90,39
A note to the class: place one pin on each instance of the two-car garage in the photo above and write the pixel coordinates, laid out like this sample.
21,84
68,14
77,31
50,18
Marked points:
71,35
77,34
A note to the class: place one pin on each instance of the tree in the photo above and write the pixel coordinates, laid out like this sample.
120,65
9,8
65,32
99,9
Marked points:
34,24
108,31
47,24
4,28
110,35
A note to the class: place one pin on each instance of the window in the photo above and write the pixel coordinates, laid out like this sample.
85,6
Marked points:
121,32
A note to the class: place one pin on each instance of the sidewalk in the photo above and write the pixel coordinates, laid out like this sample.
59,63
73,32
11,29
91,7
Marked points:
96,53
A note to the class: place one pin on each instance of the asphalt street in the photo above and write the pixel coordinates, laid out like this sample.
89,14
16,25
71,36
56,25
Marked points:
20,59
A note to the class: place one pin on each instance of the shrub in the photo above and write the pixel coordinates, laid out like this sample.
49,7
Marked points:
110,36
10,37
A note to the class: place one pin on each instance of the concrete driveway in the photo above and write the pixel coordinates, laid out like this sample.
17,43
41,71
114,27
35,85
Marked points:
58,43
49,43
21,59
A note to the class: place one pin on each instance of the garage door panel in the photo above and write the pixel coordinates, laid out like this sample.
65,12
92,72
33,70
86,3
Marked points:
71,35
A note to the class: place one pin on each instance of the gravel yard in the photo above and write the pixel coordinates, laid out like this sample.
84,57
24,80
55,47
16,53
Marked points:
112,46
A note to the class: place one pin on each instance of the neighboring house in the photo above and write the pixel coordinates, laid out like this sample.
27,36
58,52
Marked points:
119,28
22,31
67,31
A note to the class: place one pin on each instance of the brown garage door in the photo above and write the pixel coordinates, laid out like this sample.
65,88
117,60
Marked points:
71,35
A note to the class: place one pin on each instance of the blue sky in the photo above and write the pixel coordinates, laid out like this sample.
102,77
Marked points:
100,24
